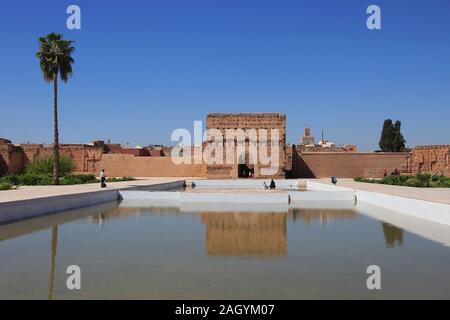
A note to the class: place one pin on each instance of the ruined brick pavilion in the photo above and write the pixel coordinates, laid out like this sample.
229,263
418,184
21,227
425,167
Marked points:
245,122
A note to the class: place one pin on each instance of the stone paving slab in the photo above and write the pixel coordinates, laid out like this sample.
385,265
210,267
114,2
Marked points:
439,195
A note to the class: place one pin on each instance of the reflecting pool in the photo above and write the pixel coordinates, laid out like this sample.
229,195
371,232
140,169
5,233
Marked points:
127,252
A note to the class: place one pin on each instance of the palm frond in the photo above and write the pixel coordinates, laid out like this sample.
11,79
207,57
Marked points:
55,55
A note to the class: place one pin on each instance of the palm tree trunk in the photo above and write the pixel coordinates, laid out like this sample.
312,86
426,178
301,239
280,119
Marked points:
56,164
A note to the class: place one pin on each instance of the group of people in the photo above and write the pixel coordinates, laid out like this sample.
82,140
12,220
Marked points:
396,172
271,186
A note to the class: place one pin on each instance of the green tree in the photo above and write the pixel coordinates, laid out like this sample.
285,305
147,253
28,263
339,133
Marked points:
45,165
398,142
55,56
386,140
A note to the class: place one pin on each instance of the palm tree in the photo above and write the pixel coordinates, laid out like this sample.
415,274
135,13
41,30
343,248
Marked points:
55,56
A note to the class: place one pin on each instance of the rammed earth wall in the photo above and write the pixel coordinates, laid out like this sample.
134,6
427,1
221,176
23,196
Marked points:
294,162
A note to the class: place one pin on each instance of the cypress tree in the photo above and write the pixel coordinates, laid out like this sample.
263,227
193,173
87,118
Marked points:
398,142
387,137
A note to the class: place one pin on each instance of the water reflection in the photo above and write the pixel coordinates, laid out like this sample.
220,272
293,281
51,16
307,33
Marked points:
168,253
103,217
226,233
245,234
324,216
392,235
239,233
17,229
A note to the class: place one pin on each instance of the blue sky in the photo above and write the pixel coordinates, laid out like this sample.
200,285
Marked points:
145,68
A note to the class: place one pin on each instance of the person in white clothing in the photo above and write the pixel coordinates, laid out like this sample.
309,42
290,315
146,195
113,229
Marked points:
103,178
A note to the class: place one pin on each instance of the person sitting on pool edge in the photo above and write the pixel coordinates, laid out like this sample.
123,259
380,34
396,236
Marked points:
272,185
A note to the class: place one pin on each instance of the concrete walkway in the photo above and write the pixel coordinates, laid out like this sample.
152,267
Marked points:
439,195
36,192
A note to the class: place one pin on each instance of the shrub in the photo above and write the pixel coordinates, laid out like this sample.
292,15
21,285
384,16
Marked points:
415,182
9,179
78,179
5,186
40,173
366,180
434,184
425,179
439,180
44,165
29,179
34,179
420,180
391,180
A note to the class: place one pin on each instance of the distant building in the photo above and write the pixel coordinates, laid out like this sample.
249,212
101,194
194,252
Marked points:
327,144
307,144
307,139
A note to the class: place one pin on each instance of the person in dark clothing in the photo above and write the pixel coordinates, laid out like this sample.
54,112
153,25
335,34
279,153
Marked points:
333,180
272,185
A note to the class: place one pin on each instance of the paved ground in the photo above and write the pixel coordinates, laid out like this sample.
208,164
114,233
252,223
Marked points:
441,195
33,192
233,190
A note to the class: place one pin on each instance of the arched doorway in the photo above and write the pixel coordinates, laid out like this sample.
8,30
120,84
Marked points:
245,169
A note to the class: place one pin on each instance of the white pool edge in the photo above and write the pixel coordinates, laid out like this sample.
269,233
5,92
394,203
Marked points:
427,210
32,208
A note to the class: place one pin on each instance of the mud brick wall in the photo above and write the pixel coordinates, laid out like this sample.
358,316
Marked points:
121,165
433,159
348,165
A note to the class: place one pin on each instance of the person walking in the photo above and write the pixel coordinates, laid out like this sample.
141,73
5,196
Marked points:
103,178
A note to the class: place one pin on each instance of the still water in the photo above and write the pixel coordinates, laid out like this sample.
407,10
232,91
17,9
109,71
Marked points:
166,253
